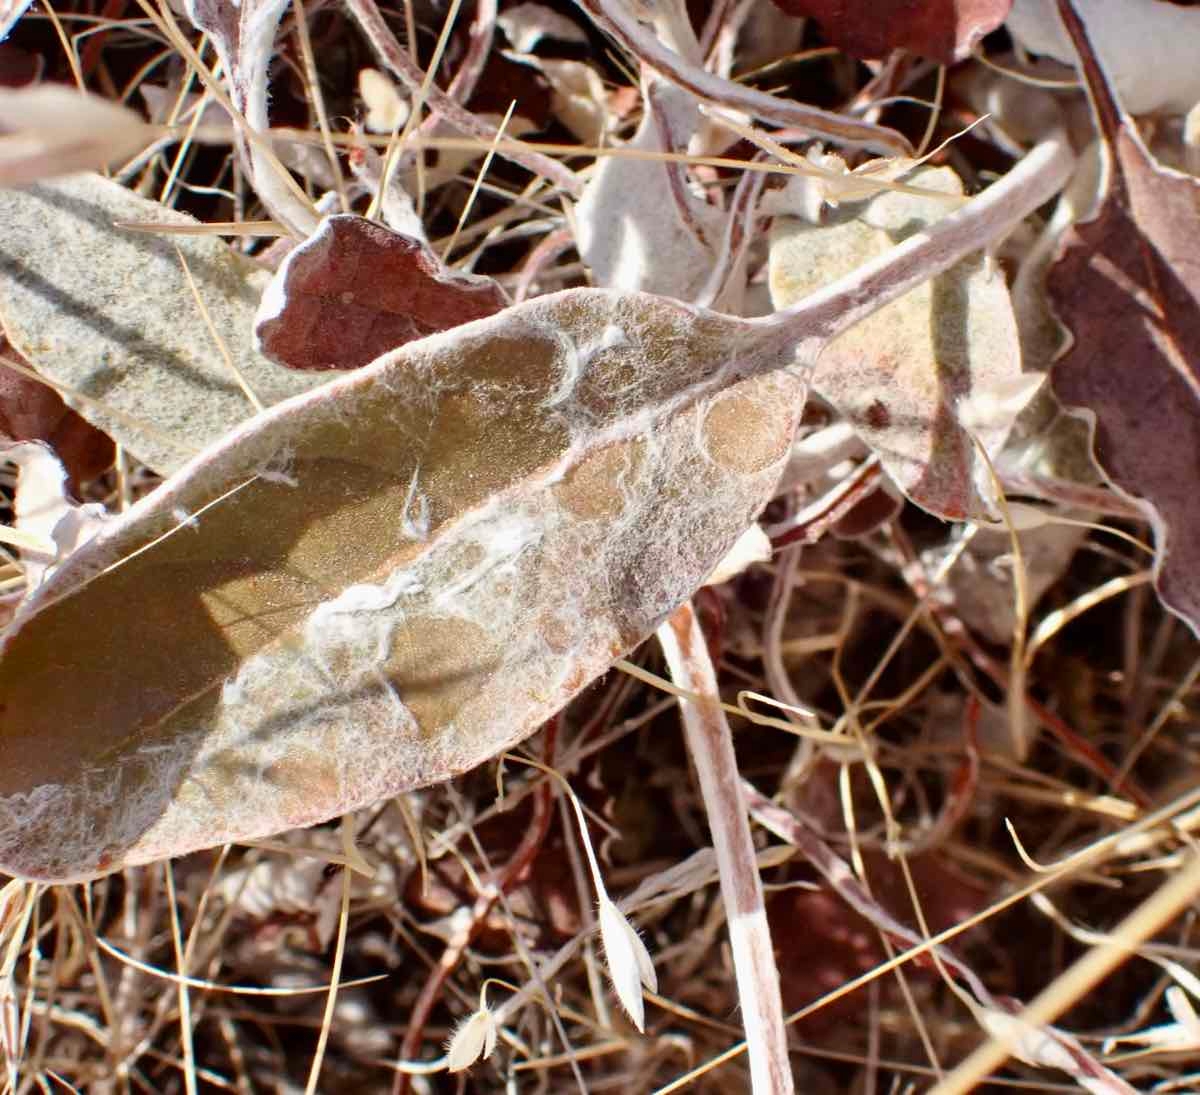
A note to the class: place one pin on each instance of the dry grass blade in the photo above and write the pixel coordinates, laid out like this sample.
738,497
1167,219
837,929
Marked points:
1171,898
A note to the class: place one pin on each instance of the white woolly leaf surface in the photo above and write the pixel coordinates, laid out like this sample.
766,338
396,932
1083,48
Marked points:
1148,50
110,312
639,226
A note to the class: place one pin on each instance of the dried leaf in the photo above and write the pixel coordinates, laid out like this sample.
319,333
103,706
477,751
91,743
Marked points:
51,525
1127,285
872,511
386,580
51,130
395,205
109,313
982,580
355,290
751,547
504,81
908,377
1051,1047
578,100
675,55
287,889
639,225
452,162
170,105
525,25
32,411
943,30
829,942
766,34
387,110
1049,455
1149,54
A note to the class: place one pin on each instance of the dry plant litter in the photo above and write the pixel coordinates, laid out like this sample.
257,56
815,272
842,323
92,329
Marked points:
602,546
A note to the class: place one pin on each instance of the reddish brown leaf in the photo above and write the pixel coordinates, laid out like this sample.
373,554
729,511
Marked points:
31,411
830,943
355,290
18,67
1127,284
944,30
873,511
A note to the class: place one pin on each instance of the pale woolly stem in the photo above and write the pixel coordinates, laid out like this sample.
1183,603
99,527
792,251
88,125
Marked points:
479,48
710,744
803,330
616,18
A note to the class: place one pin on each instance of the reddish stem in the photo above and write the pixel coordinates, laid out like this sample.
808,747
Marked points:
113,9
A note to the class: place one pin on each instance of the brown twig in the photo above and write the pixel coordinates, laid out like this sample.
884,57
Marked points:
811,523
840,878
551,247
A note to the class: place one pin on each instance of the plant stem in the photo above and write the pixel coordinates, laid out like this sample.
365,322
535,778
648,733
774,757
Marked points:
803,330
394,55
710,744
616,18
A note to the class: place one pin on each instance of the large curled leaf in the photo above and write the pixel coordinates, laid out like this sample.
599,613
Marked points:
1127,285
384,582
110,314
922,375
